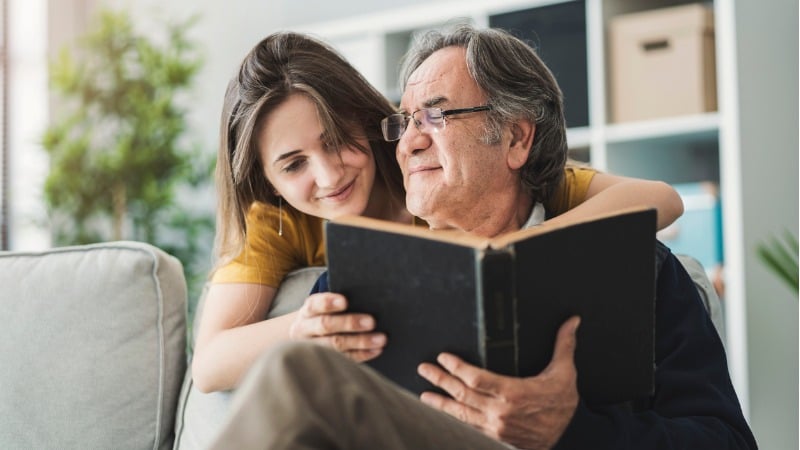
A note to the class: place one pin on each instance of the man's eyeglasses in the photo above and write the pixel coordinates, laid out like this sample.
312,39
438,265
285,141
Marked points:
424,119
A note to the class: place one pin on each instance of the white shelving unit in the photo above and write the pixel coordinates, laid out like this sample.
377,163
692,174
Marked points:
698,147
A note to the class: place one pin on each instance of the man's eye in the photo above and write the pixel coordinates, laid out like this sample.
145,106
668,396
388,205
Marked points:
294,166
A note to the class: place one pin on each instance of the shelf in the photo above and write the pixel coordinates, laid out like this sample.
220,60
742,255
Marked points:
579,137
679,127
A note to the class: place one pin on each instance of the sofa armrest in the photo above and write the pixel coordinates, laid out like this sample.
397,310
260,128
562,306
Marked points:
93,348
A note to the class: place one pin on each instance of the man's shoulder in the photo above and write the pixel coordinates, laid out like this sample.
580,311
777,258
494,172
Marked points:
663,253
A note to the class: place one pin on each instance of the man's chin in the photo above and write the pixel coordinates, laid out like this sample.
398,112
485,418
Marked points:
426,210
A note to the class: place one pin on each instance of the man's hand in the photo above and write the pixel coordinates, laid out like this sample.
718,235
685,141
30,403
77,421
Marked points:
322,319
529,413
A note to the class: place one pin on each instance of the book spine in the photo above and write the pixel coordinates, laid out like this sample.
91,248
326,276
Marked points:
498,308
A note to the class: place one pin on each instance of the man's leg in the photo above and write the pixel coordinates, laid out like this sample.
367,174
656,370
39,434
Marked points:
304,396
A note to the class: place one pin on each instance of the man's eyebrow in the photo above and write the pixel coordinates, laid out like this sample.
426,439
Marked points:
435,101
430,103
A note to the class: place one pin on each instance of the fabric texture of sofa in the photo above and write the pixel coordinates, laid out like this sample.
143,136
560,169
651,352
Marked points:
94,347
94,350
201,415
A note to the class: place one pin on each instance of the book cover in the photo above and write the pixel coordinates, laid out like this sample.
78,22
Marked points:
498,303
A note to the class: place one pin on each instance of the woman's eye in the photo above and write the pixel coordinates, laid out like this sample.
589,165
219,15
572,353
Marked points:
294,166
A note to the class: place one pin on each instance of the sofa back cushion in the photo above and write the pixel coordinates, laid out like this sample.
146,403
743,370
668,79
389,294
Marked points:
93,347
201,416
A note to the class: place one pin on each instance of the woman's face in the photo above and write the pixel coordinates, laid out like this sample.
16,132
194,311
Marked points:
309,174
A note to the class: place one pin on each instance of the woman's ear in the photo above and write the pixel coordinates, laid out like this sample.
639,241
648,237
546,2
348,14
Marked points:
522,133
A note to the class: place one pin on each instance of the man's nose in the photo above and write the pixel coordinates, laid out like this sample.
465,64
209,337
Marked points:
412,140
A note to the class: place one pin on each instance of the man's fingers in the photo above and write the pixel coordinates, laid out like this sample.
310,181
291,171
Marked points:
460,411
566,341
451,384
474,377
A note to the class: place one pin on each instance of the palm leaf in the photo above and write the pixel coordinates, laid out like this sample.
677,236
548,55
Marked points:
780,256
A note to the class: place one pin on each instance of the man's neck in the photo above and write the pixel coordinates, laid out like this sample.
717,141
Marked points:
496,217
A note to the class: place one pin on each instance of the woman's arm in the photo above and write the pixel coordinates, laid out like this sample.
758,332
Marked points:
231,333
612,192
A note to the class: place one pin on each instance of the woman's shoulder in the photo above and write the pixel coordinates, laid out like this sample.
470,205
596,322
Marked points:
265,212
578,172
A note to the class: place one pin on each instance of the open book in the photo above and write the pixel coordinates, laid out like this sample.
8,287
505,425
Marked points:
498,303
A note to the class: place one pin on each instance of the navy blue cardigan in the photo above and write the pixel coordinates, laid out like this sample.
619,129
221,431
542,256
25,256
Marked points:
694,405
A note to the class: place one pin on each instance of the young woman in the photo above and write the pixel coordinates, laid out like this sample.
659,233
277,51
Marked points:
301,142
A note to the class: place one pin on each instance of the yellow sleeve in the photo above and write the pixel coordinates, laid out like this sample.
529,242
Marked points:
571,192
267,256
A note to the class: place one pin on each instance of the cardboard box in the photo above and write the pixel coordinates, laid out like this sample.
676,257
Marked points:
663,63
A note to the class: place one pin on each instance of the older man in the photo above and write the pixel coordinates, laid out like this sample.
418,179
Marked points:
481,144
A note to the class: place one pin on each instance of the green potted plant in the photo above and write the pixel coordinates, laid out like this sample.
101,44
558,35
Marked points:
120,160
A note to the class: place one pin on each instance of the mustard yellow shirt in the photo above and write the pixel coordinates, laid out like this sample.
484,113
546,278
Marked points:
268,257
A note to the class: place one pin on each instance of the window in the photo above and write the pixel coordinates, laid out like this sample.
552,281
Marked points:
3,141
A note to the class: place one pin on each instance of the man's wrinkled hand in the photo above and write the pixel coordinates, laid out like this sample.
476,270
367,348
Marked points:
529,413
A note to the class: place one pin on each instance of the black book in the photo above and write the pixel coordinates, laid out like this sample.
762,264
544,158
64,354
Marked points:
498,303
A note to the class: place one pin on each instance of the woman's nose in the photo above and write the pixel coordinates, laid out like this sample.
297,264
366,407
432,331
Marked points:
329,170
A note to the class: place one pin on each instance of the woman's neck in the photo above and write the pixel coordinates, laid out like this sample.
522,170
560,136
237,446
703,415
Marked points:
382,206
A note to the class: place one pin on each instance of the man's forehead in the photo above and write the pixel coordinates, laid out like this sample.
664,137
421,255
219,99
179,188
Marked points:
439,79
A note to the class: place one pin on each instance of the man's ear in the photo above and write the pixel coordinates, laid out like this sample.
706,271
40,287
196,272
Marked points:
522,133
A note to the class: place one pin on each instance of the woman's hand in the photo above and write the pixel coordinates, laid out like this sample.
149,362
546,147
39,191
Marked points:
323,319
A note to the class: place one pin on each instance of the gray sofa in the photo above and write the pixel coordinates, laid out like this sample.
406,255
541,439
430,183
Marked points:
93,352
94,347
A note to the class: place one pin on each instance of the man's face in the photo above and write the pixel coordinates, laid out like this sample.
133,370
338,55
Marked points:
450,174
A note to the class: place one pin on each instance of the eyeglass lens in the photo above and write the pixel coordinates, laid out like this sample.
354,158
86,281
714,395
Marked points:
393,126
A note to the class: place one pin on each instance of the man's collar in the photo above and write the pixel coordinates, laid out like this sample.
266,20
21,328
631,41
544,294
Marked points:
536,217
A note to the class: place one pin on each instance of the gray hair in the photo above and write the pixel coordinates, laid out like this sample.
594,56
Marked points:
518,85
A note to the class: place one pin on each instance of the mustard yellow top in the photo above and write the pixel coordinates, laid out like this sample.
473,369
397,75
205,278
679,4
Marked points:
268,257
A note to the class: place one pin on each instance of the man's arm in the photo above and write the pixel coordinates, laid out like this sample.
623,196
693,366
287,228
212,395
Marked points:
694,405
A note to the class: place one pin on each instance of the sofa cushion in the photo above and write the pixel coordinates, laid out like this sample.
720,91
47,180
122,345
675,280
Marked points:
93,348
201,415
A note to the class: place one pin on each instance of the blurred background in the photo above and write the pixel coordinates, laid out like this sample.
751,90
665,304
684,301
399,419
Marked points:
110,118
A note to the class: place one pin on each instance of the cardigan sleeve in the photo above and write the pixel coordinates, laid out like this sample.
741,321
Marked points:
694,404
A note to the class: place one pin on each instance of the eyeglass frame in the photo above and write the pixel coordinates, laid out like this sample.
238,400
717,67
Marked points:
410,118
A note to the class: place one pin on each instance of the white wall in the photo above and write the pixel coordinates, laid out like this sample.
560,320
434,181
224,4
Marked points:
767,54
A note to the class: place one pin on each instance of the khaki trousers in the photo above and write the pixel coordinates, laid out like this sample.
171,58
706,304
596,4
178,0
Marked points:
304,396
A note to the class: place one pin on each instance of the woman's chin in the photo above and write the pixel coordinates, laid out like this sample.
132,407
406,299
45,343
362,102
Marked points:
344,210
